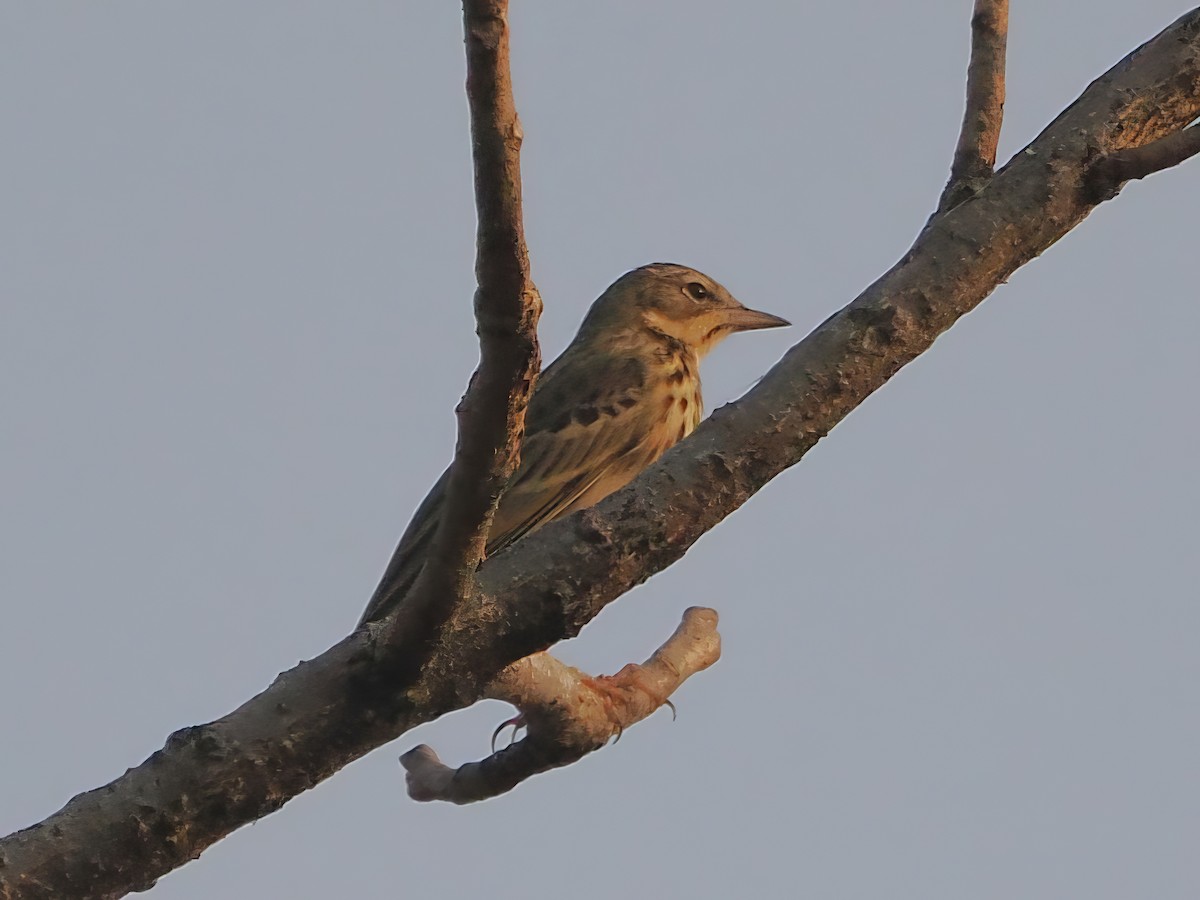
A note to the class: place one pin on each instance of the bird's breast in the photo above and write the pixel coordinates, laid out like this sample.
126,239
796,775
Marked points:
682,402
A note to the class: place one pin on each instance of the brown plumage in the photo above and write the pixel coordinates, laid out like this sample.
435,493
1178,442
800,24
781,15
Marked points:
625,391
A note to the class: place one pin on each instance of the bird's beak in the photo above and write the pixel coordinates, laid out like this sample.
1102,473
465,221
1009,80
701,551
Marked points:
743,319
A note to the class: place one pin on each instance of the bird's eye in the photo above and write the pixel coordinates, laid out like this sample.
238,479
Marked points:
696,290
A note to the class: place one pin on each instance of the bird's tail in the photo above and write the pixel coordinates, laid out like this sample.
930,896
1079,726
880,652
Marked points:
409,559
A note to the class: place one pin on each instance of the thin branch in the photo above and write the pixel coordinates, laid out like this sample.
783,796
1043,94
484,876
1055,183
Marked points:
491,416
568,714
975,155
1114,169
211,779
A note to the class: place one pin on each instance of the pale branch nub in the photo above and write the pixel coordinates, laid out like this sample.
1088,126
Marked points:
568,713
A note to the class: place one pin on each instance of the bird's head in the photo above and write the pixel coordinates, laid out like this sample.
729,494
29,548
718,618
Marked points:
676,301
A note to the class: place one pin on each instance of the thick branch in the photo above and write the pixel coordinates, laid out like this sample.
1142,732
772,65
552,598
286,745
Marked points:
491,417
316,718
975,155
568,714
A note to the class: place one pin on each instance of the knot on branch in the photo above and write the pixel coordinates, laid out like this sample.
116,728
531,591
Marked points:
1103,180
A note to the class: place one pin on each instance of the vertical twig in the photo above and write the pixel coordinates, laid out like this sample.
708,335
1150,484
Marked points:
975,155
491,416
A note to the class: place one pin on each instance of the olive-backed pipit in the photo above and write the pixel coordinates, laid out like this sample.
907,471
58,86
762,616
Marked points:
625,390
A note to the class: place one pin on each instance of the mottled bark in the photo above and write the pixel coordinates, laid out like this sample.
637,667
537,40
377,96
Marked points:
1114,169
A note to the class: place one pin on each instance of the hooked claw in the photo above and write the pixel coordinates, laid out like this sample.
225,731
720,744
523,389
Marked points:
517,722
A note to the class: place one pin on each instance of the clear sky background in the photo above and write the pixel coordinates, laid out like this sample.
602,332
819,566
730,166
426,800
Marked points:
960,638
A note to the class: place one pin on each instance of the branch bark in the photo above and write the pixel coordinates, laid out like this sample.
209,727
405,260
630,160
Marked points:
316,718
569,714
975,154
1113,170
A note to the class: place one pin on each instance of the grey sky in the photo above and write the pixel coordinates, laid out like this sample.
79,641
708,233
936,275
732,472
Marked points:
960,638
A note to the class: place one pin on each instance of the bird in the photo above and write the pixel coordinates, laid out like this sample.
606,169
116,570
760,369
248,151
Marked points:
626,389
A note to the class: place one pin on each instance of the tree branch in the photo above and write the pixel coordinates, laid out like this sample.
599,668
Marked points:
491,416
975,155
316,718
568,714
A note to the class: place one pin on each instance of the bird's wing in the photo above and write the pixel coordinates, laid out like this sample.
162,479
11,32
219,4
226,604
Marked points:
546,492
586,427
